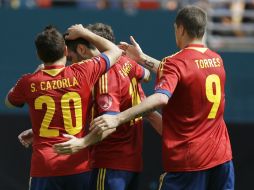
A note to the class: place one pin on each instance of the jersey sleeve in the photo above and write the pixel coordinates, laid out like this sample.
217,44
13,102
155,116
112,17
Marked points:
168,75
108,93
138,70
91,69
141,92
16,96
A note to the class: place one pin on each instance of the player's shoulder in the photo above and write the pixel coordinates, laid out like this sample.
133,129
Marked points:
213,53
25,79
175,57
28,76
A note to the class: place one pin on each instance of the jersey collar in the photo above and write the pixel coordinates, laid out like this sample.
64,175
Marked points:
195,45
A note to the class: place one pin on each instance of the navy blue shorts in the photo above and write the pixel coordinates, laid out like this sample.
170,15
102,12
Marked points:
69,182
220,177
109,179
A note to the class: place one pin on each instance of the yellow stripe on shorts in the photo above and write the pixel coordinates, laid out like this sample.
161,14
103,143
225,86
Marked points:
30,180
161,180
101,179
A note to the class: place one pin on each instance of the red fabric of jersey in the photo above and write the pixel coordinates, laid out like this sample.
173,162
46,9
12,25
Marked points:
116,91
195,136
57,97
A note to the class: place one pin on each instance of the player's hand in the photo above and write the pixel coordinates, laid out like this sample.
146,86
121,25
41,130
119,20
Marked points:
26,137
104,122
75,31
69,147
132,50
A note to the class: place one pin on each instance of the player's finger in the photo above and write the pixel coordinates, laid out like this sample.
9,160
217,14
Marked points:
96,122
64,151
22,141
122,47
100,126
68,136
20,137
26,145
133,42
96,125
124,43
60,150
62,145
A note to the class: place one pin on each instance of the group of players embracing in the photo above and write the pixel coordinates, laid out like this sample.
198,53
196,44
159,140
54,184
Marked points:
87,117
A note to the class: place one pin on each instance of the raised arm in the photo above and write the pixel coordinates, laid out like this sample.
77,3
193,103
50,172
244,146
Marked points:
102,44
134,51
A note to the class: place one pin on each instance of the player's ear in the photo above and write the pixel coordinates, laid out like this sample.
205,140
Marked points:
181,29
81,49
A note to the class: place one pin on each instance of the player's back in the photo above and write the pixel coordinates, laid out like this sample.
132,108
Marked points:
117,91
58,97
195,134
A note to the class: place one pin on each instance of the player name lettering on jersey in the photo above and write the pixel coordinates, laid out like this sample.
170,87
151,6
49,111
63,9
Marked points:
55,84
125,69
208,63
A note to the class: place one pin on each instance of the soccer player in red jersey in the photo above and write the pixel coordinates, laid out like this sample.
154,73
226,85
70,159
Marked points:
190,89
57,97
117,160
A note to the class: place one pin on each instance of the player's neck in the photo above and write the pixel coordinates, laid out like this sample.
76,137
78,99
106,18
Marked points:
195,41
59,62
191,41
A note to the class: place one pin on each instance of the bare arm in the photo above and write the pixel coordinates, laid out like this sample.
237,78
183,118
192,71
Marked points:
134,51
149,62
155,119
102,44
76,144
151,103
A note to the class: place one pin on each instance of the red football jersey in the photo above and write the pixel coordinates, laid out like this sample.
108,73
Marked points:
57,97
116,91
195,136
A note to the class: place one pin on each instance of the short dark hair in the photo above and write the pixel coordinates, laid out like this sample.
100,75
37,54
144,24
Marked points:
50,45
72,44
102,30
193,19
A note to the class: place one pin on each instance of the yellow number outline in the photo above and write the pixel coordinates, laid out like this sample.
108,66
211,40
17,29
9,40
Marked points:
133,91
212,97
45,131
50,103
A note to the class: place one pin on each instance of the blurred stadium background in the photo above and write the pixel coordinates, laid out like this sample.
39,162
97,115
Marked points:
230,31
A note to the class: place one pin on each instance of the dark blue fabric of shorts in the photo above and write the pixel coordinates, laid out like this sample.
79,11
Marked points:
109,179
220,177
69,182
